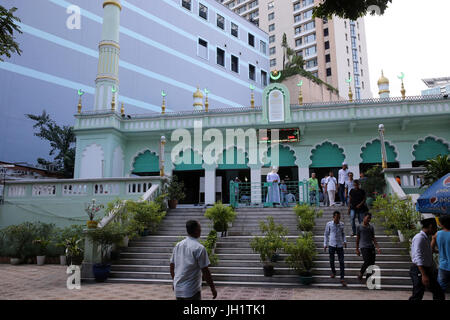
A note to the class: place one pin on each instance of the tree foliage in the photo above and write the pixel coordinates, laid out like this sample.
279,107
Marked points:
8,26
61,139
349,9
436,169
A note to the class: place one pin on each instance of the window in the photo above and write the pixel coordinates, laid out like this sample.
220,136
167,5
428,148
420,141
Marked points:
310,38
221,57
202,50
297,18
345,24
251,72
273,62
311,64
299,53
309,26
251,39
348,62
298,42
235,64
263,78
271,16
297,6
203,11
310,51
347,49
307,14
272,51
298,30
272,27
328,72
263,47
346,37
270,5
272,39
221,22
186,4
362,84
327,45
327,58
234,30
325,32
362,73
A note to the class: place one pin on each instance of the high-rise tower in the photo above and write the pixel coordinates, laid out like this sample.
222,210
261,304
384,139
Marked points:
107,81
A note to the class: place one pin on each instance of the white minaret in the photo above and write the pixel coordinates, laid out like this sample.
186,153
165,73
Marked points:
107,81
383,85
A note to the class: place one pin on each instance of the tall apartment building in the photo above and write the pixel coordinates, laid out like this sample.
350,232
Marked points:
334,50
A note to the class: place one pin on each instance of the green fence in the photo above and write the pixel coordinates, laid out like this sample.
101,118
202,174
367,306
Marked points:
248,194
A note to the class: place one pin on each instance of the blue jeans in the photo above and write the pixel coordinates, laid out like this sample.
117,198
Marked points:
284,202
312,197
444,279
340,252
353,216
342,196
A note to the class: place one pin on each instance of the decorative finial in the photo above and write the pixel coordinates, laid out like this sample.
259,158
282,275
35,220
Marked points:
350,93
122,110
300,95
113,102
275,75
80,94
252,97
206,100
402,91
163,107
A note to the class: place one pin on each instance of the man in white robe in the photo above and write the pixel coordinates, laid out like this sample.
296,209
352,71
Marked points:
273,191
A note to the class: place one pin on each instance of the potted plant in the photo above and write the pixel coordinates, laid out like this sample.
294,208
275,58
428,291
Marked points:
105,238
273,239
301,255
221,216
16,240
92,209
42,245
175,192
74,252
306,215
145,217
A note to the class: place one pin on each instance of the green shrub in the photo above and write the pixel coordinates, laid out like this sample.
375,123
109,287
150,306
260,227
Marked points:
175,189
273,239
374,183
18,240
395,214
106,237
221,216
306,216
301,254
210,245
144,215
63,234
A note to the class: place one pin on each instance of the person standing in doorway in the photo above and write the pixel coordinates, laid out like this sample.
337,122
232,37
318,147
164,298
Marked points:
349,185
334,240
313,184
273,191
342,178
422,272
442,241
330,186
357,205
326,199
283,192
366,244
188,263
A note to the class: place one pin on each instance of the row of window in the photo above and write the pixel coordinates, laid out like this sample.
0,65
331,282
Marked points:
203,52
220,22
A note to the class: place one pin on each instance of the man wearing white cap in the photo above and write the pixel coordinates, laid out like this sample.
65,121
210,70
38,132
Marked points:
342,178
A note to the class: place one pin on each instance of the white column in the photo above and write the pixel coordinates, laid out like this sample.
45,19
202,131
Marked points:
255,178
303,174
405,165
210,185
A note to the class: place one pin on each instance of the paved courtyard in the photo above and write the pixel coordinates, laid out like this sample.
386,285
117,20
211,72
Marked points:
32,282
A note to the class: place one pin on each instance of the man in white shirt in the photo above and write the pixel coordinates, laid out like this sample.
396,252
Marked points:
330,186
188,263
326,200
342,178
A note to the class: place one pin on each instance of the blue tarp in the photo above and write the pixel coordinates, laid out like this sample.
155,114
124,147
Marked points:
436,199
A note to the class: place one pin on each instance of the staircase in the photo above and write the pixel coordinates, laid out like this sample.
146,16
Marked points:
146,260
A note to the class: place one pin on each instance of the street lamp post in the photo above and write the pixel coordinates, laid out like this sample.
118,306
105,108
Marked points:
383,146
161,156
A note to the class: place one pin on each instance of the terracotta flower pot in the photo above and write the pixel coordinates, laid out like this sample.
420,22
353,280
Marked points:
173,204
92,224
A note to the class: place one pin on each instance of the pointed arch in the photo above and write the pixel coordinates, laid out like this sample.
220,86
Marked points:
327,155
145,161
240,159
371,151
193,162
287,157
429,148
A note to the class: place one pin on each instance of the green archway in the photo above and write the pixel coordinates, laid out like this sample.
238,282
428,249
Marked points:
371,152
327,155
429,148
286,157
240,160
146,162
193,163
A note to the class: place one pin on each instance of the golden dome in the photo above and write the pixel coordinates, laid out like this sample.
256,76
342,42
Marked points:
198,94
383,79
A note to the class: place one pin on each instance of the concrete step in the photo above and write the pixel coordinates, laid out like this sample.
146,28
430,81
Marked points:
346,251
351,243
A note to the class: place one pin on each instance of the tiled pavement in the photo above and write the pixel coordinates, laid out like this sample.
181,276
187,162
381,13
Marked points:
32,282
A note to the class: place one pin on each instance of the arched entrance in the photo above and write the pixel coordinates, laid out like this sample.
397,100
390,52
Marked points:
427,149
325,158
371,155
146,164
189,170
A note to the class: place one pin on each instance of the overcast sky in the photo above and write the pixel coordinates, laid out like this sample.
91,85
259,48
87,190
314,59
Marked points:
412,37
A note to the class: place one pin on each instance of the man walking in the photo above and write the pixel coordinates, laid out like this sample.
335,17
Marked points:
188,263
357,205
326,199
313,184
334,240
442,241
422,272
342,178
330,187
366,243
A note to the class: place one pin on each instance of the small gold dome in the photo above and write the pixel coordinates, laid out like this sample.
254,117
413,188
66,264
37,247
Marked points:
198,94
383,79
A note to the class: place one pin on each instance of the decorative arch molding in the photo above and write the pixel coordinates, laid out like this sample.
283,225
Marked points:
244,152
369,142
422,140
188,149
318,145
118,164
92,158
139,153
286,146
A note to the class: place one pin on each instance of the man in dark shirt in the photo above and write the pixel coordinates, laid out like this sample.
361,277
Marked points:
366,243
356,205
